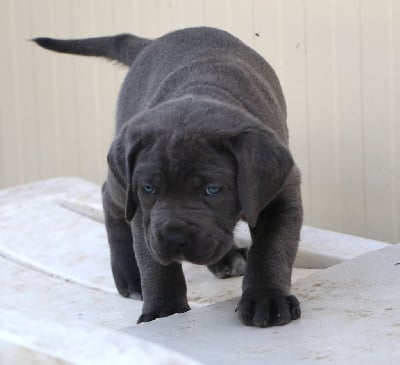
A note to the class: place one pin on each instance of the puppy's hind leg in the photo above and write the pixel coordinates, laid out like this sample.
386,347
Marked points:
231,265
123,262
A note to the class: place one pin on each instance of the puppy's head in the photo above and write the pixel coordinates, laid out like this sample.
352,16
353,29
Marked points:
192,169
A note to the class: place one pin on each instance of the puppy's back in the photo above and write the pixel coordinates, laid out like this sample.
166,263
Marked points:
177,62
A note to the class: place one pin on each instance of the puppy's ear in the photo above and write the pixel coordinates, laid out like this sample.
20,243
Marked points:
130,202
121,162
264,163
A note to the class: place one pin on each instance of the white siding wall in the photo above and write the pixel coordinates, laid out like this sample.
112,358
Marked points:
338,60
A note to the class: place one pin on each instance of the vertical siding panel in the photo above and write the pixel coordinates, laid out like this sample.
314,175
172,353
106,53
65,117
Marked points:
64,89
376,113
25,85
84,79
217,14
267,36
18,148
180,4
45,94
126,16
321,121
148,20
296,92
9,139
193,13
105,92
349,118
393,143
56,121
242,20
169,15
396,110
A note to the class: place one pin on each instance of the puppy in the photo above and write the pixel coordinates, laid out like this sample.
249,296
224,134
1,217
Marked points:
201,142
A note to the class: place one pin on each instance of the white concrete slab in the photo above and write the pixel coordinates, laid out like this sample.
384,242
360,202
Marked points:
54,270
37,295
351,315
26,340
320,248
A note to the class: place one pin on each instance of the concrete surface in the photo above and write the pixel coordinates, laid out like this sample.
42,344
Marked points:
58,303
350,315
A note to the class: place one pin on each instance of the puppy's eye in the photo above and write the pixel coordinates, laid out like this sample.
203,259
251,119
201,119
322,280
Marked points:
148,189
212,190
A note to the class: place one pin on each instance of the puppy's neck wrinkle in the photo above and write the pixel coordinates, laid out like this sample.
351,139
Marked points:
218,74
213,92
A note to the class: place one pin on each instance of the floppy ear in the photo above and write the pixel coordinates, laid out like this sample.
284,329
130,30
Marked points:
121,161
130,202
264,163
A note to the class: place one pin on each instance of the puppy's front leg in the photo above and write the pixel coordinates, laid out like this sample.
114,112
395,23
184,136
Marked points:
266,285
123,263
163,287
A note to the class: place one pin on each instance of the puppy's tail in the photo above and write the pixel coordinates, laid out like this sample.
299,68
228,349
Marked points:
123,48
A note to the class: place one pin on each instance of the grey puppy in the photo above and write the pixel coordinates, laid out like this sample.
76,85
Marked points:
201,142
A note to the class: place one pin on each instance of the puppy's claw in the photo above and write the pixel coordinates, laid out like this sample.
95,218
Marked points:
136,295
294,307
264,308
132,292
151,316
147,317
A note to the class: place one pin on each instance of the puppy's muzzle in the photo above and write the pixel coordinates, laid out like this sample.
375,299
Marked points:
175,237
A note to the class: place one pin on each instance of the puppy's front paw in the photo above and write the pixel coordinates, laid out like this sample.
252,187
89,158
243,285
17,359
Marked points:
264,308
231,265
127,280
152,315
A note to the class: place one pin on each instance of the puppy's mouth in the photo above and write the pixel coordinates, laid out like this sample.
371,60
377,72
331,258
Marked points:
206,256
220,249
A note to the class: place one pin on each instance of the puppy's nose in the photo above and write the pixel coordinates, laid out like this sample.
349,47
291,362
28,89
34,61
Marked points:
176,237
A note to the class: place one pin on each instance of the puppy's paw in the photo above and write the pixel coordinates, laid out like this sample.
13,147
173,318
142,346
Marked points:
231,265
265,308
127,281
162,312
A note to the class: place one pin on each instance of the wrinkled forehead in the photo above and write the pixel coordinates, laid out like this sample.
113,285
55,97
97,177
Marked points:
193,161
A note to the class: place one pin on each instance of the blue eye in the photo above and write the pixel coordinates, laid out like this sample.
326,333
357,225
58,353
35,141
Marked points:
148,189
212,190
